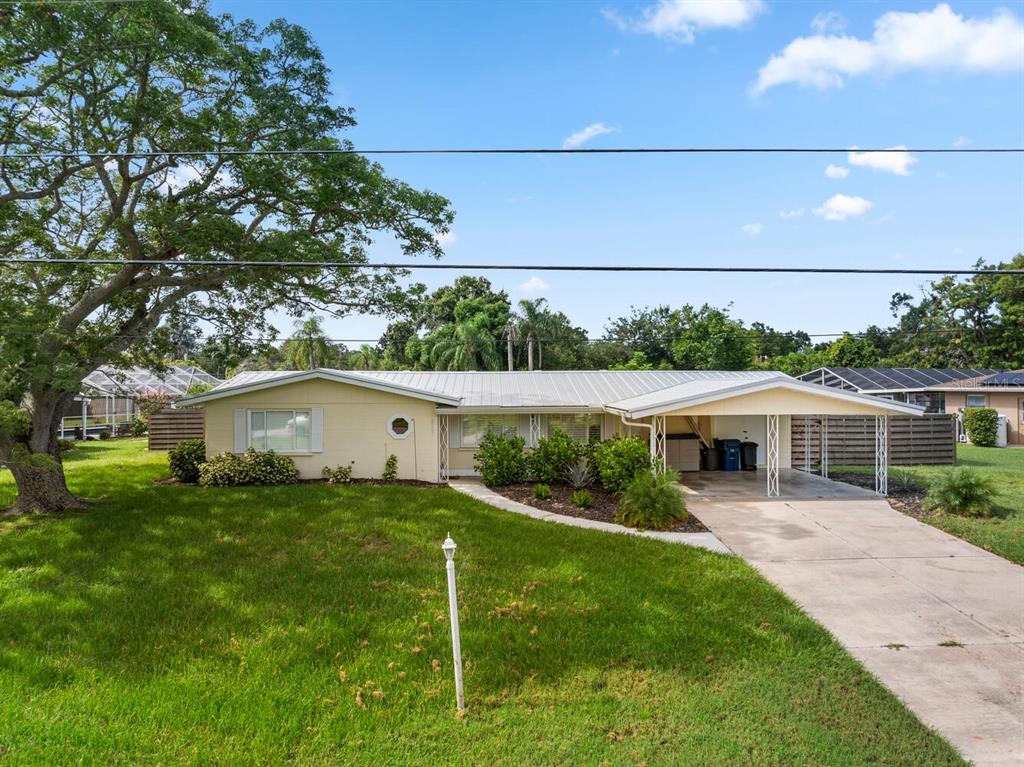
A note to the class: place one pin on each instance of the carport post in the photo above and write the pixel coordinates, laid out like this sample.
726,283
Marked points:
882,454
773,455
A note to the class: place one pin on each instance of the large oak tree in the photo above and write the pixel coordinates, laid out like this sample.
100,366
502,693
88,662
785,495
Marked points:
168,78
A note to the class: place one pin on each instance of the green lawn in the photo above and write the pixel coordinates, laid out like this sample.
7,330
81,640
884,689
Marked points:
303,625
1004,533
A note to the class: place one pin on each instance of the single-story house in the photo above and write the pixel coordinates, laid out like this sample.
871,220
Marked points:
939,390
434,421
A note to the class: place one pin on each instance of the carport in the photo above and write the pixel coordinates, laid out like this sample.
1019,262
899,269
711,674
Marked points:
765,405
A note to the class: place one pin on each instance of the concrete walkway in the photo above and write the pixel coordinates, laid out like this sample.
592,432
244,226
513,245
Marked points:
476,489
937,620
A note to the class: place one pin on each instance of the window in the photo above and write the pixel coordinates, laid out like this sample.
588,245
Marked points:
476,427
976,400
582,427
283,431
398,426
933,401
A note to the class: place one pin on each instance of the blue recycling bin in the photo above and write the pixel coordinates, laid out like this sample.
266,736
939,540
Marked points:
731,455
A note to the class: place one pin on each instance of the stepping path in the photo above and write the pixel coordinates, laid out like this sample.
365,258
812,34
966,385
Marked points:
940,622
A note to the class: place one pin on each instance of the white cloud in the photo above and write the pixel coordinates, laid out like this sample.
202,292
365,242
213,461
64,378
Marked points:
840,207
938,39
581,137
180,177
828,21
897,162
533,285
794,213
446,238
752,229
962,141
837,172
679,20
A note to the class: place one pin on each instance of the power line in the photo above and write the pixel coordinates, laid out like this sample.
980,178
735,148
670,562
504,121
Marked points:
83,154
220,263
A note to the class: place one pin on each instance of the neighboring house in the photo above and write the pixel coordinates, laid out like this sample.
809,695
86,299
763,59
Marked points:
939,390
434,421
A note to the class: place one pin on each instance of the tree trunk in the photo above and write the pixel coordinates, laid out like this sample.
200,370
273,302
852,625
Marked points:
529,351
510,352
39,478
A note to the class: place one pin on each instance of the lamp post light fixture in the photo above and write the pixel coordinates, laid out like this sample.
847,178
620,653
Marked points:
448,547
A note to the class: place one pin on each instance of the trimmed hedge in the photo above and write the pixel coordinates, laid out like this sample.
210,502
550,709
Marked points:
981,424
186,458
618,460
500,460
250,468
554,457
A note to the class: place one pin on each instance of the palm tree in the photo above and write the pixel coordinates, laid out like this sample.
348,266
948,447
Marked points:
364,359
471,346
310,345
511,336
531,320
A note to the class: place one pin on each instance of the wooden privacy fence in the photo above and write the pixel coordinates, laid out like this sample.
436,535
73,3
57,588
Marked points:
913,439
169,427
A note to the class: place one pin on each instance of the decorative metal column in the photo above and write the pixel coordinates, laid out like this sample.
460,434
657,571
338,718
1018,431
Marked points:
773,455
807,444
882,454
824,446
534,430
660,459
442,448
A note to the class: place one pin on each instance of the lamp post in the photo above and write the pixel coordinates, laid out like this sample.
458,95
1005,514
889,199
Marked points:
448,547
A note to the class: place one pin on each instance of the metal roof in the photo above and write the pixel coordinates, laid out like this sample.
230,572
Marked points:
898,379
176,380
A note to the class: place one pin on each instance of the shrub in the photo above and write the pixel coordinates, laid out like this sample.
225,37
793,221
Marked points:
981,425
581,497
652,501
390,468
105,434
339,475
139,427
65,445
962,491
251,468
579,475
554,456
619,459
903,481
152,402
541,491
185,460
500,460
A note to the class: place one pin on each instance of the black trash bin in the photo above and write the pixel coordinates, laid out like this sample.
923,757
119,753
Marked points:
748,455
710,458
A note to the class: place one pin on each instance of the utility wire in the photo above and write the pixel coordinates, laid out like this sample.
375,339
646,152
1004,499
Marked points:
82,154
220,263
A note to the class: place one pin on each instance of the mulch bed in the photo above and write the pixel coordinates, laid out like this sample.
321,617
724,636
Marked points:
909,502
603,509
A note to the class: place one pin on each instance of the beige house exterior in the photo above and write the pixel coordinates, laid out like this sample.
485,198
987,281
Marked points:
432,422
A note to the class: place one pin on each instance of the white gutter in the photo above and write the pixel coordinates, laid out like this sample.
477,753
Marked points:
648,426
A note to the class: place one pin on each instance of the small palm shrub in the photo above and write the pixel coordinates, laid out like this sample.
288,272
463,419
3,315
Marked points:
981,425
500,460
250,468
579,475
963,492
185,459
652,501
618,460
541,491
390,473
339,475
582,498
554,456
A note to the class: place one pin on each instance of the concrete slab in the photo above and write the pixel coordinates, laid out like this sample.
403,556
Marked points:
879,580
754,484
983,683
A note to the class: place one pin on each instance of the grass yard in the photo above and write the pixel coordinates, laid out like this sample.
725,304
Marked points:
1002,534
305,625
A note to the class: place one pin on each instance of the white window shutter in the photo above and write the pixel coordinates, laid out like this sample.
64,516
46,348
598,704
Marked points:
317,429
240,430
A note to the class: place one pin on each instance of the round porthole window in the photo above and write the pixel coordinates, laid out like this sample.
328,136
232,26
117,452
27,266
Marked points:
399,426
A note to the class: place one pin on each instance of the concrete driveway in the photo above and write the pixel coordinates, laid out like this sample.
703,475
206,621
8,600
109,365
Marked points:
938,621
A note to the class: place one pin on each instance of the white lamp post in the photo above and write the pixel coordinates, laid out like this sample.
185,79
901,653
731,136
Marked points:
448,547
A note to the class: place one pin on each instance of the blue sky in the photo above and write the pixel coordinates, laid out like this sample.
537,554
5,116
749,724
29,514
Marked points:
702,74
